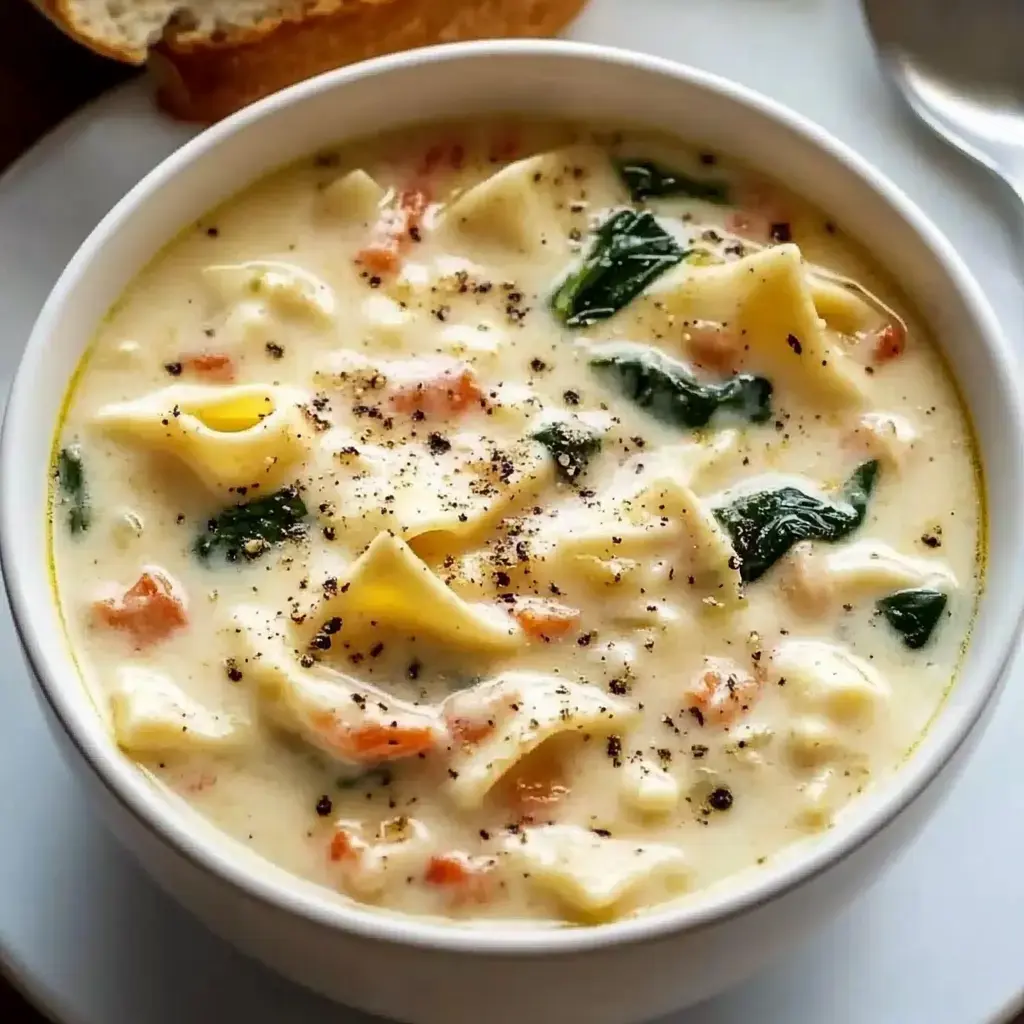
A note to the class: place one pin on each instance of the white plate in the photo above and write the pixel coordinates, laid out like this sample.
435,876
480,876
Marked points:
935,941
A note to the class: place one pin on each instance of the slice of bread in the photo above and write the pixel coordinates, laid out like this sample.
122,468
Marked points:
211,57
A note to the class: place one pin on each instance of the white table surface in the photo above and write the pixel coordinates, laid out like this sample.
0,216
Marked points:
937,940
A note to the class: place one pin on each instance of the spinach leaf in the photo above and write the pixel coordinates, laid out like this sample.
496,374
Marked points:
571,445
645,179
248,529
765,525
629,251
71,477
668,391
913,613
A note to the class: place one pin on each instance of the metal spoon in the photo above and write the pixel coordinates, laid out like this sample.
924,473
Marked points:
960,66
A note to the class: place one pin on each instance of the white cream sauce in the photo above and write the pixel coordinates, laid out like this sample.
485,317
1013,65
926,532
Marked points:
597,714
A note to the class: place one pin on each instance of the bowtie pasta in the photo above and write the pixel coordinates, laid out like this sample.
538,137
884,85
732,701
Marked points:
516,521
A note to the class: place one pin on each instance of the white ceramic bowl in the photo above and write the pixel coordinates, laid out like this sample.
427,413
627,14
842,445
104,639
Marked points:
422,971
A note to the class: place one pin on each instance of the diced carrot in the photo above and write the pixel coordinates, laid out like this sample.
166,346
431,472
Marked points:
374,741
722,692
212,365
345,846
443,388
149,610
466,877
890,343
545,620
712,345
382,257
397,227
413,203
466,730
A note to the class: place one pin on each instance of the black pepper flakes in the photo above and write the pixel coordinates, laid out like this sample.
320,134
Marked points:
324,806
174,369
720,799
794,343
614,750
274,350
438,444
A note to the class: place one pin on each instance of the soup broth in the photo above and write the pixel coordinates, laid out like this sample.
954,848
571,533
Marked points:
502,520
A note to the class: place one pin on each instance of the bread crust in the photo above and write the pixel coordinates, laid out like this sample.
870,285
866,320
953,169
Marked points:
206,78
62,14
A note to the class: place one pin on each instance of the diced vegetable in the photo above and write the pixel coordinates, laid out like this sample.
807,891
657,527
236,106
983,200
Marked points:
544,619
890,343
465,878
765,525
646,180
345,846
149,611
375,741
668,391
442,388
913,613
71,477
470,730
399,225
571,445
722,692
629,251
217,366
250,528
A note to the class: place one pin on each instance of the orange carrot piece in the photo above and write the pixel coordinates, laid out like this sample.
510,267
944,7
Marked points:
345,846
720,695
465,877
149,610
213,365
545,620
713,346
466,730
374,741
394,231
890,343
444,389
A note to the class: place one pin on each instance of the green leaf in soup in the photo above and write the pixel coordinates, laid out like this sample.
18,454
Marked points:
913,613
667,390
763,526
628,252
647,180
571,444
71,478
250,528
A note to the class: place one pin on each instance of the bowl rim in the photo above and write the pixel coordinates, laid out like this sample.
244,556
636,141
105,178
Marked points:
137,796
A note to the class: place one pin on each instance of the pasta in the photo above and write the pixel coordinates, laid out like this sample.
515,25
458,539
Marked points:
516,520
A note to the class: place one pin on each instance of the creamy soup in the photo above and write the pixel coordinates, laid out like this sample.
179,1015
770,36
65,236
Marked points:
515,521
